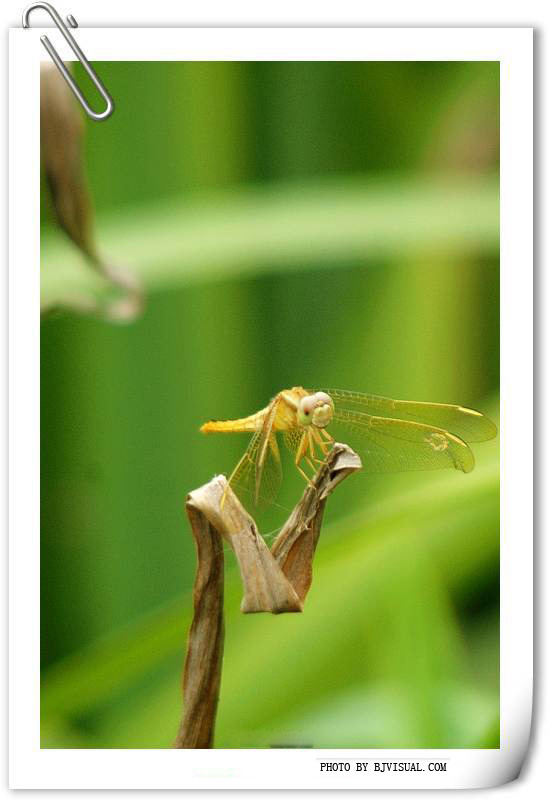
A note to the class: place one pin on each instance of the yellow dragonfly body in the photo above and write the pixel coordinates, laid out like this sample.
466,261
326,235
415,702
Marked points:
389,435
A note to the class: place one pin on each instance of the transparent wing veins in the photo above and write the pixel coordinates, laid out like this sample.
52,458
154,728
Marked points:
394,445
466,423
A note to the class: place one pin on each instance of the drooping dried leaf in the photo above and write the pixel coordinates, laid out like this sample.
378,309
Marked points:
62,133
274,580
61,139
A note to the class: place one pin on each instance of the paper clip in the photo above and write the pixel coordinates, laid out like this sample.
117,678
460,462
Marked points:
79,54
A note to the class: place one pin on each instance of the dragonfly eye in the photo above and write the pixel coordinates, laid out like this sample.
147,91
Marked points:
305,411
315,409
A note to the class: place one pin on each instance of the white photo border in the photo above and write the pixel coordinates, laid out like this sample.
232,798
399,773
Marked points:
33,768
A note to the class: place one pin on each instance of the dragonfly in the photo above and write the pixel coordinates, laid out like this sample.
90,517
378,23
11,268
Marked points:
389,435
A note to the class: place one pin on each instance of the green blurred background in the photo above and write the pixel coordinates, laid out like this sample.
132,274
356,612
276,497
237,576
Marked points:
294,223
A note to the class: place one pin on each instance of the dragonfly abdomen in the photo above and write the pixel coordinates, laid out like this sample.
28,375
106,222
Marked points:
245,425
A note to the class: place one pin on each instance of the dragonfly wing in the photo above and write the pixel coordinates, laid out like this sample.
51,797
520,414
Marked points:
259,472
268,447
244,480
292,439
395,445
467,424
271,476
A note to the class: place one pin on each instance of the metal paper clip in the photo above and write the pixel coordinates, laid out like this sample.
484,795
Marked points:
78,53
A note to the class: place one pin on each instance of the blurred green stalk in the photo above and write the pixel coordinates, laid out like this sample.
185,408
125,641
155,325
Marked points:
256,230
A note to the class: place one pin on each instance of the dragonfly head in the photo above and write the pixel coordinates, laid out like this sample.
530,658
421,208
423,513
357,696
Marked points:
315,409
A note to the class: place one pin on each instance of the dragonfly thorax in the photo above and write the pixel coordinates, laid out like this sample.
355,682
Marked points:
315,409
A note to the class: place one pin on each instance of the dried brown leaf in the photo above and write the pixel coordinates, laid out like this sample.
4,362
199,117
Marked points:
274,580
61,141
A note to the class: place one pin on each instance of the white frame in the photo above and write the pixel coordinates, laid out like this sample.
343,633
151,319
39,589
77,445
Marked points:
33,768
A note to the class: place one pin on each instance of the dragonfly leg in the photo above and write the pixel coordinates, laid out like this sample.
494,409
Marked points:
302,448
310,463
324,445
308,481
301,454
223,496
317,434
314,457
